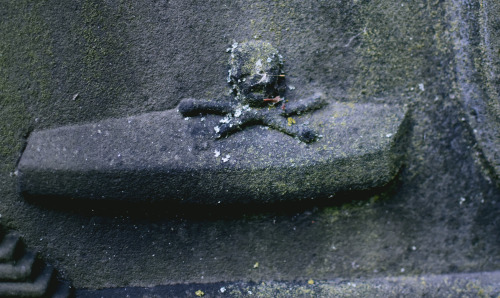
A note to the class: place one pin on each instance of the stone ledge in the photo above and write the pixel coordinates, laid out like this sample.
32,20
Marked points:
483,284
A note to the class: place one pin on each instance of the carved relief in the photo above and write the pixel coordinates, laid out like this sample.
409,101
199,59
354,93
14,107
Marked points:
258,87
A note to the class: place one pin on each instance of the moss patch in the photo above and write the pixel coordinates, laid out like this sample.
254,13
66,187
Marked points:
25,62
397,41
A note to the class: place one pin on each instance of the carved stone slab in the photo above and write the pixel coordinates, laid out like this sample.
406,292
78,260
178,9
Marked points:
165,156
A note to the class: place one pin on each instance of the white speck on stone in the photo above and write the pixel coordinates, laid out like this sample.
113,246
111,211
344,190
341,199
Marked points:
237,113
222,290
421,86
333,247
269,59
482,200
228,50
225,119
216,153
291,87
187,118
235,45
402,270
264,77
225,159
258,66
250,293
462,200
99,131
202,119
217,129
413,248
388,135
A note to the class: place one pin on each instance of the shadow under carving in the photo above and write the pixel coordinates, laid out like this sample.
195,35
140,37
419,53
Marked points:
159,210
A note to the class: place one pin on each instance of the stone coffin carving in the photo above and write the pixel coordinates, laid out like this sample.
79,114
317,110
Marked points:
283,150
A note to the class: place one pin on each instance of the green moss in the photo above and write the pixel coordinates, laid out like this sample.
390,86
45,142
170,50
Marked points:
95,50
102,49
249,53
271,22
26,59
396,44
490,51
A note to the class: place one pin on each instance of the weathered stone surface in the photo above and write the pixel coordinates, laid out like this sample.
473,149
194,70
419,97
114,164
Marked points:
477,55
83,61
163,155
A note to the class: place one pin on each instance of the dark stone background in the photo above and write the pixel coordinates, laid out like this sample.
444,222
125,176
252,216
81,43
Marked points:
129,57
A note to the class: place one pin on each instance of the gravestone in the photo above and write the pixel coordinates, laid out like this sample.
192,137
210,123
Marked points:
190,148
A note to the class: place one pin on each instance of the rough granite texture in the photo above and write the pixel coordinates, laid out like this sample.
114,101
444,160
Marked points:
83,61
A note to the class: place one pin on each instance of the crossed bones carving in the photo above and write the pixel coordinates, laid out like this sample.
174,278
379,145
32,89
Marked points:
258,87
